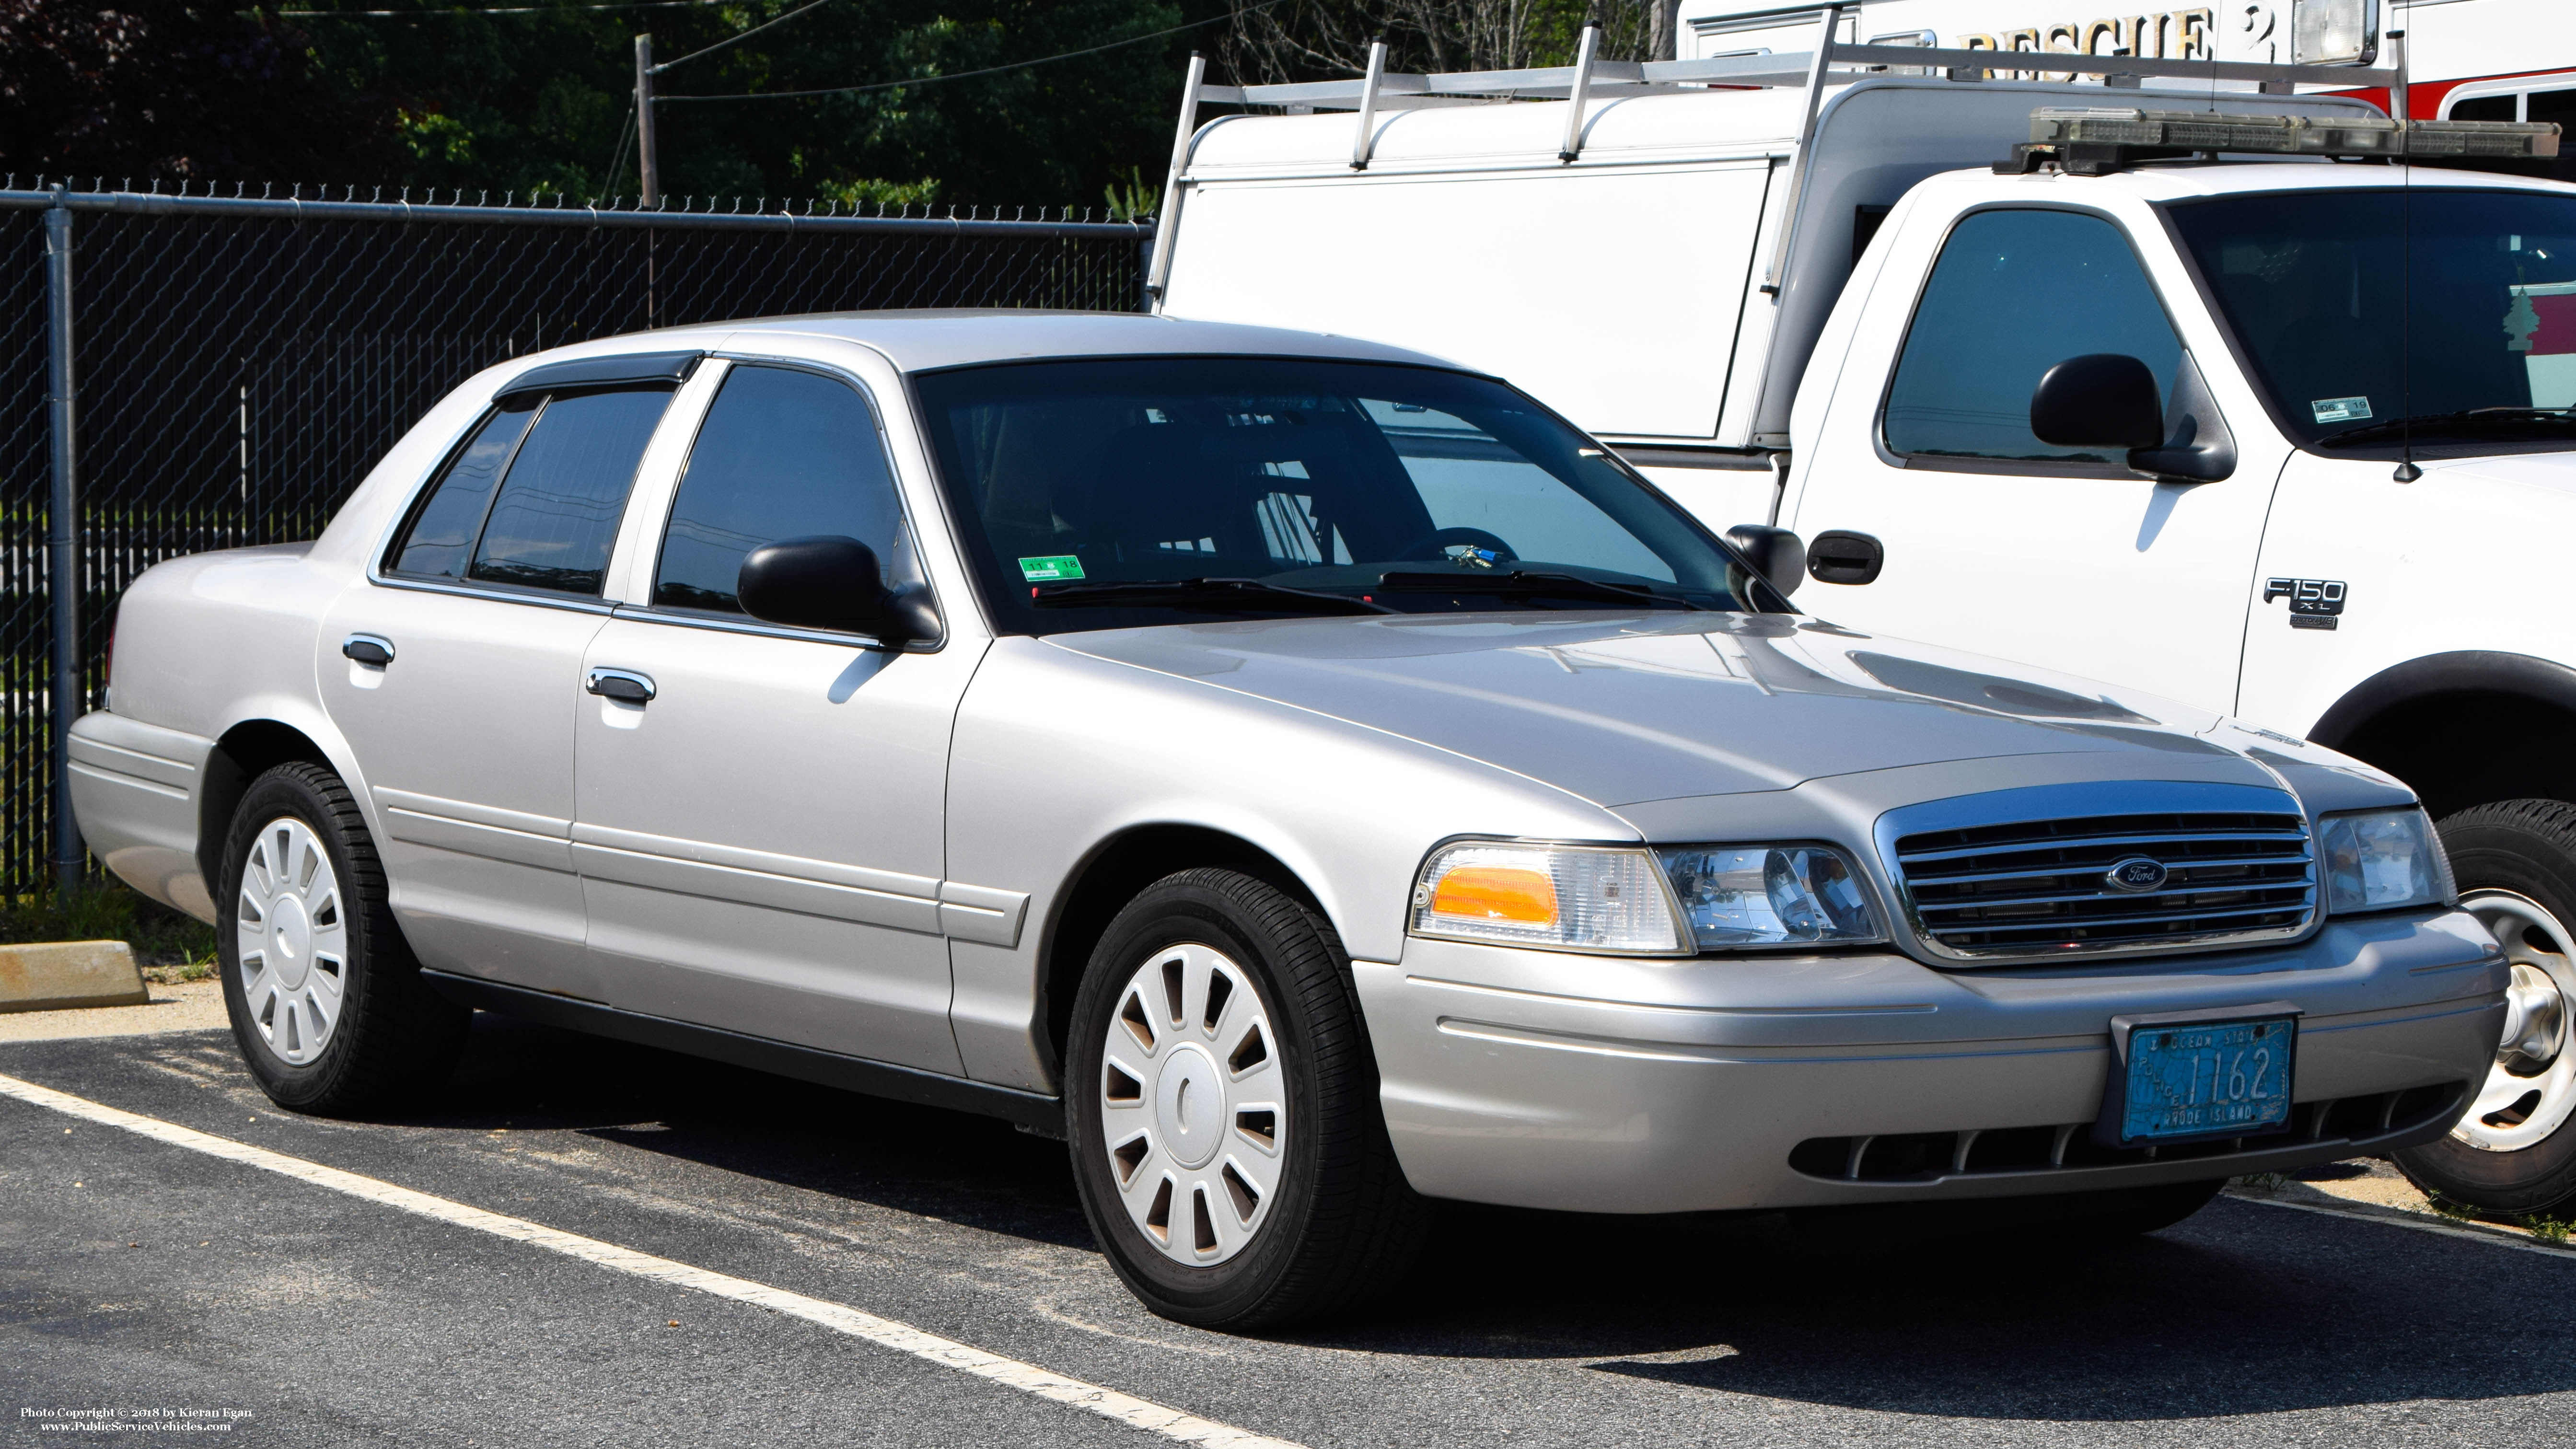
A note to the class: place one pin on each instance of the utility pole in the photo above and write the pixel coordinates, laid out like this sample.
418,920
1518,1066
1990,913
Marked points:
645,159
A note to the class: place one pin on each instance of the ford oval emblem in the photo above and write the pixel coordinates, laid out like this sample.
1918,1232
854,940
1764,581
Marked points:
2137,873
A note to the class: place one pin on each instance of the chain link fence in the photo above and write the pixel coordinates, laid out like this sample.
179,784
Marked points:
241,362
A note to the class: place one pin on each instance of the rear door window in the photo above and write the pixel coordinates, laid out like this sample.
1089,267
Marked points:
533,501
783,454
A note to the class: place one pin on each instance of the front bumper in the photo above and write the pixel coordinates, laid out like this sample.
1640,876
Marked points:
1592,1084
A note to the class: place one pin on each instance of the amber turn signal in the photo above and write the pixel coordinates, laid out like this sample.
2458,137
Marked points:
1496,893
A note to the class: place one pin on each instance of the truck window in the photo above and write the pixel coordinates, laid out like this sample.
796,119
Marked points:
2015,293
564,466
2317,287
782,454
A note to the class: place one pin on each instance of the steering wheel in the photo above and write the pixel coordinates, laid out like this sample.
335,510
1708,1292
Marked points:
1429,545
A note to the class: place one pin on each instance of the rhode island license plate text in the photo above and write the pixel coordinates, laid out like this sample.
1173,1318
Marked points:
2185,1081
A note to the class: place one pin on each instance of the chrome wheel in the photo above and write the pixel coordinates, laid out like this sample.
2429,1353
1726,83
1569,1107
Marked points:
2531,1088
292,940
1193,1105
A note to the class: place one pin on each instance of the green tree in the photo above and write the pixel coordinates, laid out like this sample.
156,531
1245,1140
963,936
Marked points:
538,102
166,90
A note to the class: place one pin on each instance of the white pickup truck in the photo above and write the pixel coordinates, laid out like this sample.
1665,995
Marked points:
2160,383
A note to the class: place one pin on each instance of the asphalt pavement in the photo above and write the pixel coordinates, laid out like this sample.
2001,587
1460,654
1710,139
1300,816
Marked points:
139,1275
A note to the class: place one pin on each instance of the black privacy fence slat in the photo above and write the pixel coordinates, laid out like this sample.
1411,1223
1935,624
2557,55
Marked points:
241,364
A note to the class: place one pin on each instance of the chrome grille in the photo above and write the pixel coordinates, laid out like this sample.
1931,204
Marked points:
2034,888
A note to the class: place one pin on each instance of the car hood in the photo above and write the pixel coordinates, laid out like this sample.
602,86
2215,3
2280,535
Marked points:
1621,709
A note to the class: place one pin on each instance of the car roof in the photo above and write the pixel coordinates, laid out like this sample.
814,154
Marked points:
919,341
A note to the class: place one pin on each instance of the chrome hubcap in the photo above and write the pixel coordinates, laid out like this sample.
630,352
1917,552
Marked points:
1193,1105
2531,1089
292,940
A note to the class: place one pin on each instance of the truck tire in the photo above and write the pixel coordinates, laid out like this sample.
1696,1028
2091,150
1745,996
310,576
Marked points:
324,994
2514,1150
1222,1105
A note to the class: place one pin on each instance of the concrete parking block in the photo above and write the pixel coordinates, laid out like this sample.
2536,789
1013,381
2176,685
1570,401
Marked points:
58,975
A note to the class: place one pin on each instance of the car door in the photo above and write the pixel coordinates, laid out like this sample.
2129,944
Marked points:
458,694
760,840
1992,540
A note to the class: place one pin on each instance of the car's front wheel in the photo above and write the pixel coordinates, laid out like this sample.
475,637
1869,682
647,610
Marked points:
325,997
1222,1103
2513,1152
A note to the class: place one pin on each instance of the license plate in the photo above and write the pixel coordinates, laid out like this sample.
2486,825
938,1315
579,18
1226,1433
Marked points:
2208,1079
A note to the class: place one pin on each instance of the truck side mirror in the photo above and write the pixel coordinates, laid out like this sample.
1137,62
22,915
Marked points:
829,581
2102,399
1779,555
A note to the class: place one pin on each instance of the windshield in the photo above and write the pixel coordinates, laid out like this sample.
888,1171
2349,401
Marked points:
1111,492
2471,347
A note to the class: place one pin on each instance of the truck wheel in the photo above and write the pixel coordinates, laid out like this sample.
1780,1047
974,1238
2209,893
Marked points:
1222,1103
2514,1151
323,992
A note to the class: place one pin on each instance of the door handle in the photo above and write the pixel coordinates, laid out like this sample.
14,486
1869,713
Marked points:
373,650
1840,556
623,685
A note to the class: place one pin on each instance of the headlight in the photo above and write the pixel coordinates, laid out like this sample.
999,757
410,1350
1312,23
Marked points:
1770,895
2383,861
1563,897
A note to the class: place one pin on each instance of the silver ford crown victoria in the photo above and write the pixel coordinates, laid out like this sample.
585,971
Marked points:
1310,778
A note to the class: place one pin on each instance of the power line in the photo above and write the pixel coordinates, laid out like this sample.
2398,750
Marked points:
963,74
507,9
745,35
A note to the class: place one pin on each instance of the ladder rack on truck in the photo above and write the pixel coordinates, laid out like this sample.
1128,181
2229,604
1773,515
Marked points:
1748,187
1590,78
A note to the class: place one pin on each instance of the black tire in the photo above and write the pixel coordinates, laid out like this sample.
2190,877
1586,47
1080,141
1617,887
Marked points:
394,1039
1342,1219
2527,847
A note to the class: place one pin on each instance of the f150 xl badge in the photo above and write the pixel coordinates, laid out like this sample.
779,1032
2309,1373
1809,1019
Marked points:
2314,603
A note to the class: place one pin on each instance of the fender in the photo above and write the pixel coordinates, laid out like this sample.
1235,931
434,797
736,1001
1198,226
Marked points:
2466,671
307,719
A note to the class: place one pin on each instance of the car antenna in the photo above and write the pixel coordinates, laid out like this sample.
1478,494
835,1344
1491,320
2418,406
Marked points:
2406,472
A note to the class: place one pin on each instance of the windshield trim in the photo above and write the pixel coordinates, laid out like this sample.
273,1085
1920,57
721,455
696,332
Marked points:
990,589
2246,372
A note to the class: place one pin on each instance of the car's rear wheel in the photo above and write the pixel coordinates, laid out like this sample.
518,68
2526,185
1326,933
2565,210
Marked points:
324,995
2513,1152
1222,1104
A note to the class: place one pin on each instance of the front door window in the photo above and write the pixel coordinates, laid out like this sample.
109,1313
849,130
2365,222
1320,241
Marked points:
2015,293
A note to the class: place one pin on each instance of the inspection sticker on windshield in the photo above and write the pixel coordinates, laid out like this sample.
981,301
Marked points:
1053,569
2340,409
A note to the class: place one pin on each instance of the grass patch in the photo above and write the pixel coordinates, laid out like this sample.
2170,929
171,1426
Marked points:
2548,1230
2457,1212
168,945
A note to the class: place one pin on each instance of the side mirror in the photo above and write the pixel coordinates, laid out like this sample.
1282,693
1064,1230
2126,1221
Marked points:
1777,554
829,581
2103,400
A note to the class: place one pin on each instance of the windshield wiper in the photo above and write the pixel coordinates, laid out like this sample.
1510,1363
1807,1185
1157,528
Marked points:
1252,593
2476,422
1531,584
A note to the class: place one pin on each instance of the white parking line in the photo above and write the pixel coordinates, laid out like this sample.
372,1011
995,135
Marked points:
947,1353
2390,1218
